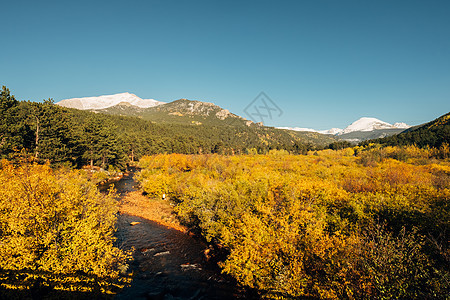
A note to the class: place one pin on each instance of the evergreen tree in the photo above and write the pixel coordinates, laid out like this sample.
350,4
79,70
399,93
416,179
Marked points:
101,143
56,133
13,130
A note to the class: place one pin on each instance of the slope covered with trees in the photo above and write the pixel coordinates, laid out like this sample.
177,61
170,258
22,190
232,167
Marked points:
432,134
74,137
208,120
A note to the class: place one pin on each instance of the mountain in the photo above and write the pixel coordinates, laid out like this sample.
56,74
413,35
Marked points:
371,124
362,124
362,129
332,131
181,111
197,118
208,116
433,134
106,101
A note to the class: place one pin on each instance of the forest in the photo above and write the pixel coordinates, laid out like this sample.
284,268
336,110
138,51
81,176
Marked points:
358,223
76,138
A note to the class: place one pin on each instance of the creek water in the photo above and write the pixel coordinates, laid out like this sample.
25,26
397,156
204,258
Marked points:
168,264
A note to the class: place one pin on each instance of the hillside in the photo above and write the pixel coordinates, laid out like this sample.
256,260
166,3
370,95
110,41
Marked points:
74,137
181,111
151,138
209,121
433,134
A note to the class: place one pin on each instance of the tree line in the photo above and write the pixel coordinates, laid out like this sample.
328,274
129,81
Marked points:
56,134
65,136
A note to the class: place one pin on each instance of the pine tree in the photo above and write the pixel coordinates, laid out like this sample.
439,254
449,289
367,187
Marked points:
13,130
55,131
101,143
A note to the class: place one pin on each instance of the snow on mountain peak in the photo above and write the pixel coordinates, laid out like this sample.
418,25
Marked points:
106,101
401,125
367,124
332,131
362,124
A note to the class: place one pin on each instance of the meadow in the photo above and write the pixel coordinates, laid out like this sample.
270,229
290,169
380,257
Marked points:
358,223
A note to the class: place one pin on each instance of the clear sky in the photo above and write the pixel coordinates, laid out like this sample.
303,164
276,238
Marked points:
323,63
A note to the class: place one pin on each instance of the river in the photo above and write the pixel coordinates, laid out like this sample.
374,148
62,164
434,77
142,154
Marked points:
169,264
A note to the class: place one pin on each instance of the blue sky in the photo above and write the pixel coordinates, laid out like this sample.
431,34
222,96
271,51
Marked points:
324,63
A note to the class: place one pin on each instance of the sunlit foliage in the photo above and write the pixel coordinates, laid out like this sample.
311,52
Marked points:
355,223
56,231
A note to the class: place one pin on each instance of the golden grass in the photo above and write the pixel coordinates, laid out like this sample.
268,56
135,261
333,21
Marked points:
157,210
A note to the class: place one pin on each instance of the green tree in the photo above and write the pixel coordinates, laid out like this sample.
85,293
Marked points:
13,131
56,133
101,143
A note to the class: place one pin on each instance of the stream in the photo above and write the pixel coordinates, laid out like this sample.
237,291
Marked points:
169,264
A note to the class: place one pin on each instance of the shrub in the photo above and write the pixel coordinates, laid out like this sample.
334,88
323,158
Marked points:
56,230
303,226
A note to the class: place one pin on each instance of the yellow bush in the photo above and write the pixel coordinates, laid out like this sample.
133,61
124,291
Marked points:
55,223
296,226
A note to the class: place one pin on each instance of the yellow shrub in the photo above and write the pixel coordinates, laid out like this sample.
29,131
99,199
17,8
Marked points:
294,225
55,223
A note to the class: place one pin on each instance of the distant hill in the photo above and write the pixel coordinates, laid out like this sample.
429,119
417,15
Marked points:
205,117
312,138
208,119
183,111
358,136
432,134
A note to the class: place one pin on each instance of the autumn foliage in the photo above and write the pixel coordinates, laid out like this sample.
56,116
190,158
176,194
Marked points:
355,223
56,231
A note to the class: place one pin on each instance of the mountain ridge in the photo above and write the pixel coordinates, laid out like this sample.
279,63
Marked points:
362,124
194,112
365,128
181,111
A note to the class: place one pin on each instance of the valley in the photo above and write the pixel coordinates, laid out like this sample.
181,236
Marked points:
220,207
197,150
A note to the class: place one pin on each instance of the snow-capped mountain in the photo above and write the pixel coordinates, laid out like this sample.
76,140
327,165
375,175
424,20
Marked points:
371,124
332,131
102,102
401,125
363,124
